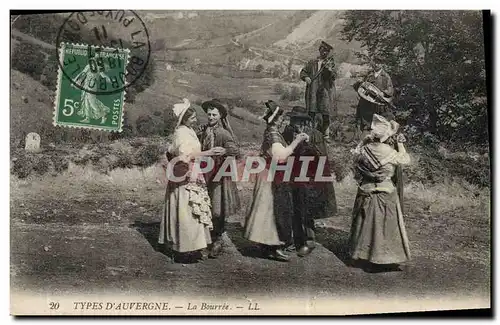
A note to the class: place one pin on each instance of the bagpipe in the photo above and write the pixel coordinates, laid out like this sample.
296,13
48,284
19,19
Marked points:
373,94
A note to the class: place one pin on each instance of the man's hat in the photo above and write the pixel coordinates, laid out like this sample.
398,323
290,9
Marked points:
215,103
326,45
273,111
299,112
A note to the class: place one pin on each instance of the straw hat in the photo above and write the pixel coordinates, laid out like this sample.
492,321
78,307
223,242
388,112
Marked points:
180,109
382,128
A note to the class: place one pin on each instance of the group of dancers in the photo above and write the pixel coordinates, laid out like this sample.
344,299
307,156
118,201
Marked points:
280,217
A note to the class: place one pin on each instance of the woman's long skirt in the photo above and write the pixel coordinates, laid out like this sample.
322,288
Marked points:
269,218
378,232
179,227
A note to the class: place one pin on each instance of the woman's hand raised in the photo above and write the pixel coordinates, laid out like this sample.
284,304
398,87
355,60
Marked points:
217,151
400,138
302,137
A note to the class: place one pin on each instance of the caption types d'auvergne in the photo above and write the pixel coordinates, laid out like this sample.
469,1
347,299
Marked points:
161,306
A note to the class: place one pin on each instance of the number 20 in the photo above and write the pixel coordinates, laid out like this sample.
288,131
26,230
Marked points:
54,305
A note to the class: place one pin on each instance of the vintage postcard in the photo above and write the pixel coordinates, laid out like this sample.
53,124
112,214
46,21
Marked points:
249,162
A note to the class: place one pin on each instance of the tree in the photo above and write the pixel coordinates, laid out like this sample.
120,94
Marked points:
437,62
277,71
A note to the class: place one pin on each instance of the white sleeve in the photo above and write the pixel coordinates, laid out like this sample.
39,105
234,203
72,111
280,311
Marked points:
278,151
357,150
402,158
184,145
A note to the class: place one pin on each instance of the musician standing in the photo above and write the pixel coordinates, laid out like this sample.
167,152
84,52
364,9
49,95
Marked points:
319,75
365,109
311,199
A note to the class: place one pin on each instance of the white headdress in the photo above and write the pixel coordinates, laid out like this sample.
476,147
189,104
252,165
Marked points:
382,129
180,109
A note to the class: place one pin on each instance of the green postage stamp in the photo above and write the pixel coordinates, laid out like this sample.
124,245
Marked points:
91,87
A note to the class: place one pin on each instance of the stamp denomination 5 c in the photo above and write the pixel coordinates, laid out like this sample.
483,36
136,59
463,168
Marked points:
89,99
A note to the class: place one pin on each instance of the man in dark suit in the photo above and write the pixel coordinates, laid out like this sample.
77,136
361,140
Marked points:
320,87
310,199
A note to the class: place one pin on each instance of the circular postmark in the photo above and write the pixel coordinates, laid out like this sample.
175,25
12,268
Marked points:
103,52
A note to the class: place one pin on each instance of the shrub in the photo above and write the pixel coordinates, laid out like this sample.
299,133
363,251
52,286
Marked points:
49,72
42,164
26,163
341,162
285,95
28,58
277,71
295,93
169,122
149,125
148,155
61,163
124,161
279,88
23,164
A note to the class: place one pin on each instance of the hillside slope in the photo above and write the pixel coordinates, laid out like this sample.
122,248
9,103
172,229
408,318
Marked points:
321,25
277,30
31,106
318,26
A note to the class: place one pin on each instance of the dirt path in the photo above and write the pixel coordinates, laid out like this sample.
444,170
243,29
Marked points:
33,40
82,246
